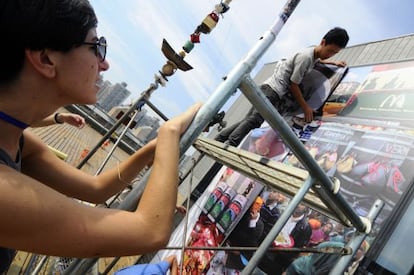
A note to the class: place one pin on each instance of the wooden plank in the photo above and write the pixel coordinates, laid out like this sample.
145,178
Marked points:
284,178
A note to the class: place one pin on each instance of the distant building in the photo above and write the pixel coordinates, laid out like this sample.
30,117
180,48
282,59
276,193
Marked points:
142,133
110,96
104,88
144,124
140,116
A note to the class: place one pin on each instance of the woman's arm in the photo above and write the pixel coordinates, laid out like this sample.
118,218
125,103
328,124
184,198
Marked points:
44,221
74,183
60,118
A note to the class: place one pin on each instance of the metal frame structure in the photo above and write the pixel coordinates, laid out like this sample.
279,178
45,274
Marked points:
317,180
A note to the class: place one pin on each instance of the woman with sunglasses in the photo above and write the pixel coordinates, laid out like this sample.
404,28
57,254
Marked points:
52,57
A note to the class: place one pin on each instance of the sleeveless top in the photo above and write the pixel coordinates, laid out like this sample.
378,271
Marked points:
7,254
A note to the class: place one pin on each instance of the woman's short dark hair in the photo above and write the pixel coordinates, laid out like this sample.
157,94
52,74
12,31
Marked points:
40,24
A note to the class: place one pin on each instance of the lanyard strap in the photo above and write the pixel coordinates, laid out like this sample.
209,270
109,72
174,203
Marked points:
11,120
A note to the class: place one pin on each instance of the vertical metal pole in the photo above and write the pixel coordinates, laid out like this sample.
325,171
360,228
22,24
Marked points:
116,144
204,115
357,240
133,107
40,265
110,266
271,236
32,262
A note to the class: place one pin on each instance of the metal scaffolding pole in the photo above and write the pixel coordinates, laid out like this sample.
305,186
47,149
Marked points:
146,94
357,240
327,191
229,85
271,236
155,109
109,155
204,115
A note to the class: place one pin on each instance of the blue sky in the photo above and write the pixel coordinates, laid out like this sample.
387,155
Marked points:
135,29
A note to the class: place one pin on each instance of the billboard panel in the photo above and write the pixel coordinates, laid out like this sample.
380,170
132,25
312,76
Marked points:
365,138
231,196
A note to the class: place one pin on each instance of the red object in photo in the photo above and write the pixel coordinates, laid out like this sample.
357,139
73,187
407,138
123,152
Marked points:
195,37
215,196
204,234
84,153
220,206
214,16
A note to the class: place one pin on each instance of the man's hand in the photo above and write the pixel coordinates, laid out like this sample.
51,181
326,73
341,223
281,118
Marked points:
308,112
254,214
340,63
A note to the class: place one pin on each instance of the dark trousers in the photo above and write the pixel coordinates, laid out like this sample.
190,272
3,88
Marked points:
234,134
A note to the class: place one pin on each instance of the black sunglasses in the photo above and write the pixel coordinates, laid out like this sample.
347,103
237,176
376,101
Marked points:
100,47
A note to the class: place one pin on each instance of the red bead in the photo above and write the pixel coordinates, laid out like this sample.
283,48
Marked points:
214,16
195,37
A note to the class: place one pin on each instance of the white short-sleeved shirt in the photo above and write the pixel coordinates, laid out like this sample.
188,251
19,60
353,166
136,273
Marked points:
291,70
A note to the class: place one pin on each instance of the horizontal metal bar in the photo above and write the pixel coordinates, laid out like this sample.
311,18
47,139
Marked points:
325,250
